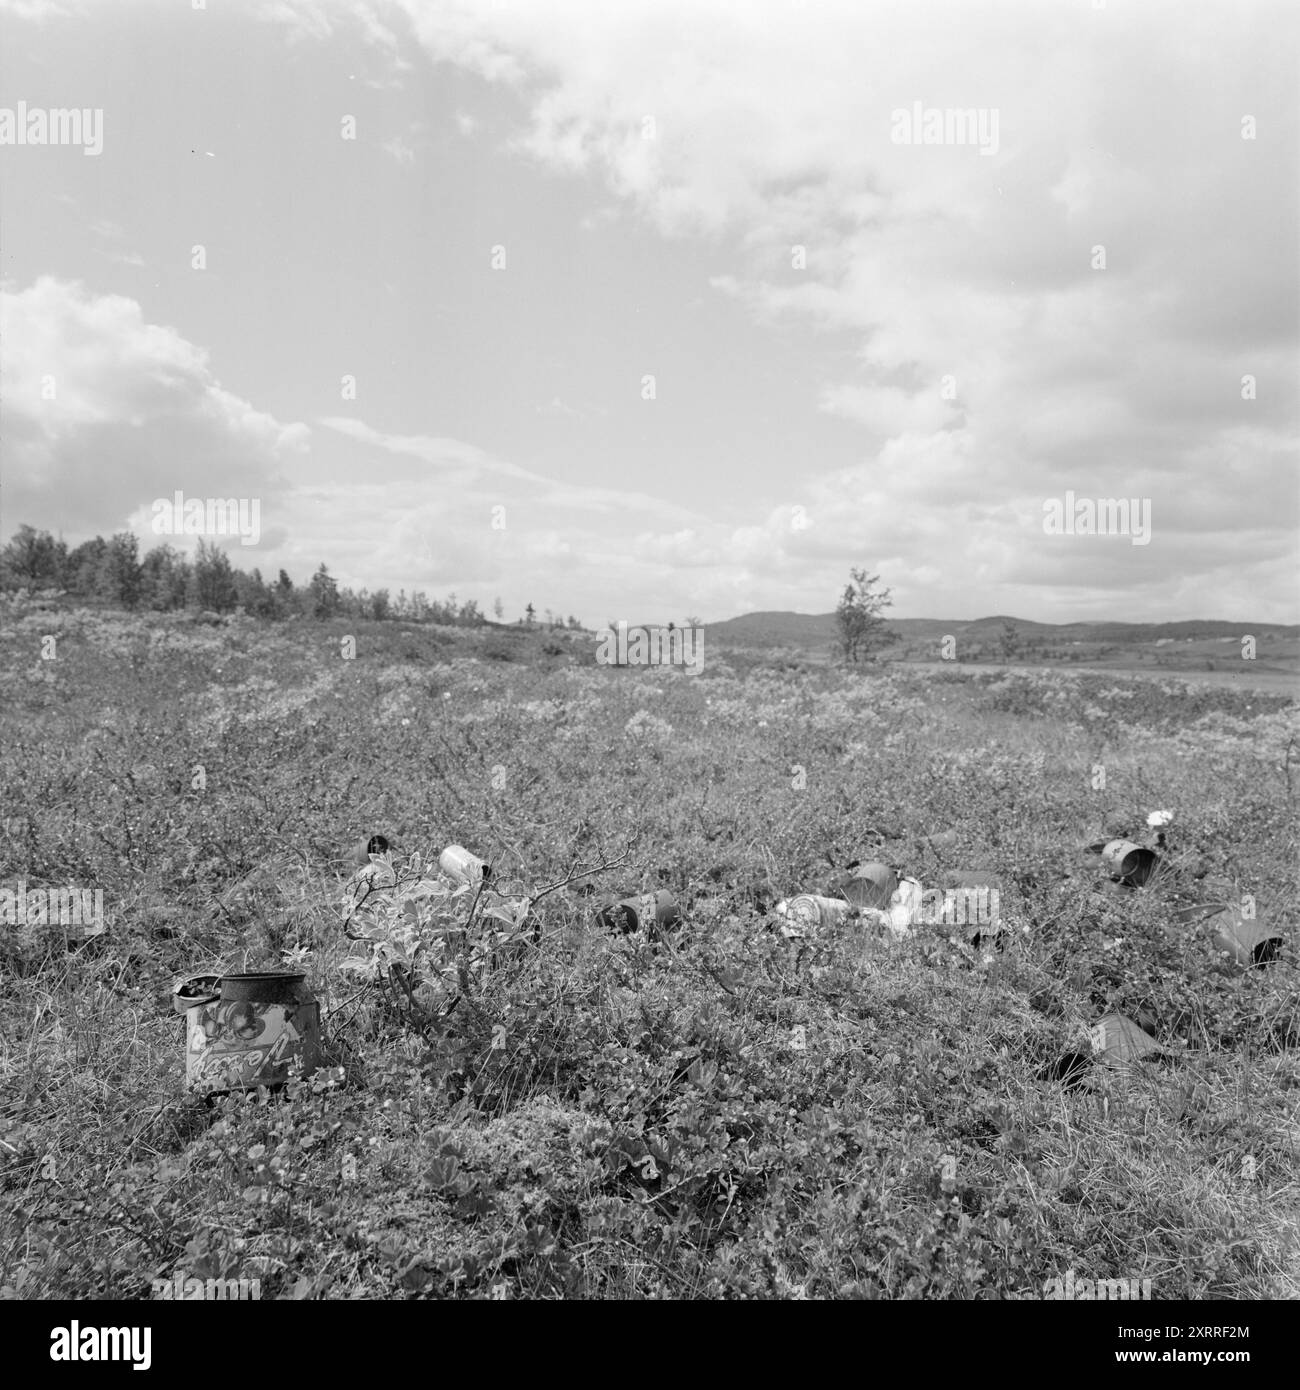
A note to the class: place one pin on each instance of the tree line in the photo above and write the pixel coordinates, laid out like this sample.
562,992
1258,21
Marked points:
113,573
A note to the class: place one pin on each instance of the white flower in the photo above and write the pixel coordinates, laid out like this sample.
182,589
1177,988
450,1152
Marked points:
1160,818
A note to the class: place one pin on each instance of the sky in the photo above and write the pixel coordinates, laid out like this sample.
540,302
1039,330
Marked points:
667,309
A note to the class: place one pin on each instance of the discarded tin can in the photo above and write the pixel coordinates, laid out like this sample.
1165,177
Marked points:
1246,939
462,866
194,990
1132,864
248,1037
360,854
868,885
1117,1041
639,912
812,910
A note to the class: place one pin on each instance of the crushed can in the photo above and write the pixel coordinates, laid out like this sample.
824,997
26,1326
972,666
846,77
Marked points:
248,1035
463,867
629,914
1131,864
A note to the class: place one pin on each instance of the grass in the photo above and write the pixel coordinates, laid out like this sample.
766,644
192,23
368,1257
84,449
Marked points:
733,1114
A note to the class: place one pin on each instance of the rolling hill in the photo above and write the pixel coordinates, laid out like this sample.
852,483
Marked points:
785,629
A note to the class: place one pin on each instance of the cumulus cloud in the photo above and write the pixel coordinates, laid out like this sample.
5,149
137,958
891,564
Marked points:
105,411
1078,311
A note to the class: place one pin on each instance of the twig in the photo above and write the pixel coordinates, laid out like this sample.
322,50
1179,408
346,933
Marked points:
329,1013
582,873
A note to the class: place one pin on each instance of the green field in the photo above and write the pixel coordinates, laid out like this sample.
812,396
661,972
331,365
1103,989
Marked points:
732,1114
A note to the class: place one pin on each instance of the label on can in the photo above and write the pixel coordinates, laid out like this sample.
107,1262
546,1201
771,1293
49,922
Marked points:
243,1044
812,910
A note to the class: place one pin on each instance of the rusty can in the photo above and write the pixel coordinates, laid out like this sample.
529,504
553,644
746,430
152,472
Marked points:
1131,864
262,1022
462,866
631,914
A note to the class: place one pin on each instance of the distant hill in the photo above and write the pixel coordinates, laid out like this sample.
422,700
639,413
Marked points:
815,630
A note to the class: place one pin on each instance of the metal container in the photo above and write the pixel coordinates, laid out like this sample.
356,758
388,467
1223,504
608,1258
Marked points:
868,885
1132,864
248,1037
1245,939
360,853
462,866
195,990
632,913
1119,1042
813,910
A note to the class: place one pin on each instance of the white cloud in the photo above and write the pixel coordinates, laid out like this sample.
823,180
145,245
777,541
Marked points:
37,11
104,411
320,20
771,127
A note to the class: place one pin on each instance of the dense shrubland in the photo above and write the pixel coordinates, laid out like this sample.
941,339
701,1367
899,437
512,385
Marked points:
740,1114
